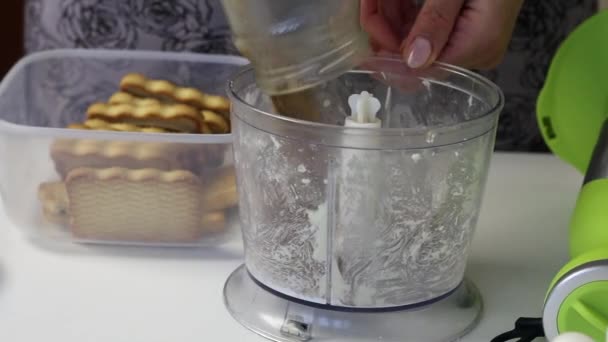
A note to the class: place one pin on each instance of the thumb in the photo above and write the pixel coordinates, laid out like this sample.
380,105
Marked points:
431,32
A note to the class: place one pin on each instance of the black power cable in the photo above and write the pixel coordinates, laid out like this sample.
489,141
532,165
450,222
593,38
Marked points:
526,330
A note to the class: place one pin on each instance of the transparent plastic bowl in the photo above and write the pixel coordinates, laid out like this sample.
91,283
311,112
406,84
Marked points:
365,218
45,92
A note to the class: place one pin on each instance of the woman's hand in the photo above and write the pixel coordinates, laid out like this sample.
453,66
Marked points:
469,33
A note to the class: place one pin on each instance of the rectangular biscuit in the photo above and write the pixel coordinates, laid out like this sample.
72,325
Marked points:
146,205
101,125
140,85
216,123
122,97
214,222
173,117
69,154
221,191
54,200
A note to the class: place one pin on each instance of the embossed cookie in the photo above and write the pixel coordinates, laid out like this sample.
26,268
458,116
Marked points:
216,123
140,85
101,125
54,200
173,117
146,205
126,98
221,192
214,222
55,203
69,154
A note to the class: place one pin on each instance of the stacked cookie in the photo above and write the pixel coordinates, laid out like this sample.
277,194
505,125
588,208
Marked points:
158,106
147,192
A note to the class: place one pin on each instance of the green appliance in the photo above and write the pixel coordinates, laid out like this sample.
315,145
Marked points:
572,113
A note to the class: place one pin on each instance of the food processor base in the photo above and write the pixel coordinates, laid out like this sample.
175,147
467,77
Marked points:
279,319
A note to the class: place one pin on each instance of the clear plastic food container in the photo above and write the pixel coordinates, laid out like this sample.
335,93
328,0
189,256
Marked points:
117,184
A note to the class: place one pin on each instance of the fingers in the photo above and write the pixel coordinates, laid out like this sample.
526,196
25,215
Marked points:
431,32
400,15
376,25
481,42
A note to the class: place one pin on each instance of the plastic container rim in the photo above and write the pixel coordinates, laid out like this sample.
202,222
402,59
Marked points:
494,110
107,54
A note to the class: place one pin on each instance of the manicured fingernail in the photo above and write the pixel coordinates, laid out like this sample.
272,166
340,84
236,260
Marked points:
420,52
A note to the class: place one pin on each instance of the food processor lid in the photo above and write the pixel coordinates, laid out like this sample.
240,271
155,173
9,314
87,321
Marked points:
573,103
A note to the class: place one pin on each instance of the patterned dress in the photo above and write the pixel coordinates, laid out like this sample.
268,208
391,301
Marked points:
171,25
200,26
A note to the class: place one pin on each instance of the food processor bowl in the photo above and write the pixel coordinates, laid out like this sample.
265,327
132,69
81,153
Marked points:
347,222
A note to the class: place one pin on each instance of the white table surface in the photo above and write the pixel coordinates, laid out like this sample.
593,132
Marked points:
48,293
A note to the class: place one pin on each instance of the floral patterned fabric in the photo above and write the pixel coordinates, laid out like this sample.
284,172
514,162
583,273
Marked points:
542,26
200,26
172,25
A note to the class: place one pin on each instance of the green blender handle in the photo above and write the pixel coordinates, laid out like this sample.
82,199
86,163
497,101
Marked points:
589,224
578,298
572,110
